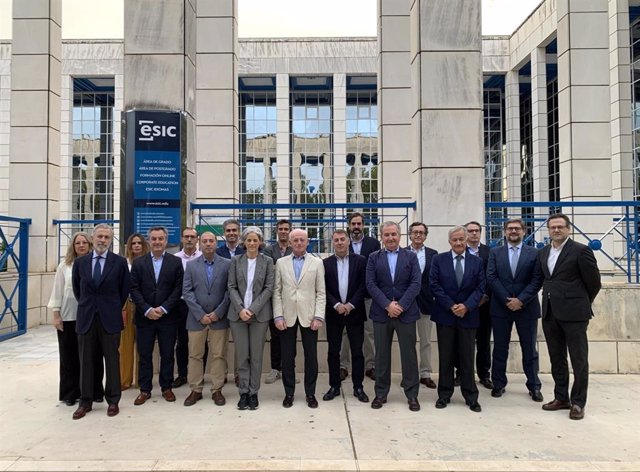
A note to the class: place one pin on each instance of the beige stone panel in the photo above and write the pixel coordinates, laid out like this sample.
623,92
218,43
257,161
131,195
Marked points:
55,40
34,292
29,108
395,69
450,25
616,309
29,181
543,360
189,87
591,140
394,34
215,71
451,80
216,180
217,8
154,81
215,144
214,35
55,75
590,67
30,36
29,144
589,30
603,357
590,103
396,107
451,138
153,30
629,357
394,7
215,107
54,115
393,177
35,317
395,142
28,72
38,9
591,178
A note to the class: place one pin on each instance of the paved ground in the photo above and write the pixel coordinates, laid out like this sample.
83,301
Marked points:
511,433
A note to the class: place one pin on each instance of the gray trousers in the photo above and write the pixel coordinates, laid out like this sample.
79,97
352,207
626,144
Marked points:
249,339
424,325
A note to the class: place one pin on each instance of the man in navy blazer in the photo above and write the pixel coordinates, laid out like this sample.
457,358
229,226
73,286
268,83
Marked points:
101,285
515,279
156,287
231,245
344,276
458,284
393,281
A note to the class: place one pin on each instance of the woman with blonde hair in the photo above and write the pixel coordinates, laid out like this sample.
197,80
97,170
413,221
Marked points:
65,307
136,246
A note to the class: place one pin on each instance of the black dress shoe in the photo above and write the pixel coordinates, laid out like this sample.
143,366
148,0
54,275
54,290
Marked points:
536,395
179,382
243,404
576,413
253,401
497,392
360,395
311,401
486,383
428,382
377,402
344,373
555,405
413,404
371,373
442,403
331,394
70,402
288,401
475,407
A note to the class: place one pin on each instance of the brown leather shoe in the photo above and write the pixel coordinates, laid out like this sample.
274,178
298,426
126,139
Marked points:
168,395
377,402
344,373
371,373
113,410
143,397
556,405
193,398
428,382
576,413
81,411
218,398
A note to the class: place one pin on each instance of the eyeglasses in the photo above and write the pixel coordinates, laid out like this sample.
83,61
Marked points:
514,229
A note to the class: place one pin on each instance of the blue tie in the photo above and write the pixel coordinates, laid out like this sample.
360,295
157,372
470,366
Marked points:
97,271
459,270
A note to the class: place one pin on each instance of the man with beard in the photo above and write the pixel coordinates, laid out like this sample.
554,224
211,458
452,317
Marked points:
231,247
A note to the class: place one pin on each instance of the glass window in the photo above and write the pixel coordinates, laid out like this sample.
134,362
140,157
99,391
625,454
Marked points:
494,149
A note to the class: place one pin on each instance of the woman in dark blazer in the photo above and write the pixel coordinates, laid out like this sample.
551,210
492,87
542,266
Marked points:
251,277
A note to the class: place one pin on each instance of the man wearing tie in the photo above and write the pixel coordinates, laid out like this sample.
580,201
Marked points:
571,283
101,285
393,281
299,300
156,286
457,283
514,275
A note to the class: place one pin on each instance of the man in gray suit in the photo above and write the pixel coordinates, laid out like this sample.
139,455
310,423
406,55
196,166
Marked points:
205,292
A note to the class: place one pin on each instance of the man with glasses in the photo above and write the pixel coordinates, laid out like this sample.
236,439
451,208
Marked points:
515,279
418,235
571,283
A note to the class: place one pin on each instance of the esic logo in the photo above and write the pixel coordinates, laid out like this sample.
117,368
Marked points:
148,130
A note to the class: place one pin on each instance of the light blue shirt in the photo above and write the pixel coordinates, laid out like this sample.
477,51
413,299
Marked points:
157,265
392,259
298,262
103,258
343,277
421,255
454,255
514,251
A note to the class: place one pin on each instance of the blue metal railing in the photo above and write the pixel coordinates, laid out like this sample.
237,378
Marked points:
14,270
318,218
67,228
618,242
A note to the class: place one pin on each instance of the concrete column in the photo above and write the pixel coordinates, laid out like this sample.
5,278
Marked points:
5,125
34,171
217,96
539,125
339,138
512,105
395,106
620,92
282,141
446,68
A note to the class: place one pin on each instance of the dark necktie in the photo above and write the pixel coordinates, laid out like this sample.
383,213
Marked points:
97,271
459,270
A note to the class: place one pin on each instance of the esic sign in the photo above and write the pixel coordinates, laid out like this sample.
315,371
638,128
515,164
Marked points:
148,130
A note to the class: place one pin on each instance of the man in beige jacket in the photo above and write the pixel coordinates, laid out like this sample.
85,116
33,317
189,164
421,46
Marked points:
299,301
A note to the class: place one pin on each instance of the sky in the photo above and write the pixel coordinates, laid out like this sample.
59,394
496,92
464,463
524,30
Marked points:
271,18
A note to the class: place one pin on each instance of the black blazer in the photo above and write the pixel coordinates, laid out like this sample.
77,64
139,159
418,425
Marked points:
273,252
574,284
355,292
107,298
223,251
146,293
425,297
369,245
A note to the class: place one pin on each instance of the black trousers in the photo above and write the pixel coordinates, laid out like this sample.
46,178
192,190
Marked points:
455,342
70,365
274,346
563,336
355,333
383,339
182,339
288,339
94,345
146,338
483,343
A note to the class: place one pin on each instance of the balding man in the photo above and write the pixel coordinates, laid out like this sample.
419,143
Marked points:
299,302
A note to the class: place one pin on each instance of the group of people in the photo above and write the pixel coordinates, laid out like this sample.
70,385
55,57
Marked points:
363,294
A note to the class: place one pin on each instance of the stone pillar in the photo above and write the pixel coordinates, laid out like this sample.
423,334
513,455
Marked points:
446,67
539,125
620,92
395,107
34,156
512,99
282,142
339,138
217,96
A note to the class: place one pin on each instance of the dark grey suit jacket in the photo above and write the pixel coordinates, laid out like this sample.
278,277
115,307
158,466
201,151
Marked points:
202,297
262,288
273,252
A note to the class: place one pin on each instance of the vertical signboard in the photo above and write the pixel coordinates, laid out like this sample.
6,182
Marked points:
152,168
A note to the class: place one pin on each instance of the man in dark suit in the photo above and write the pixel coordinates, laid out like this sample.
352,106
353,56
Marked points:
364,246
515,278
101,285
571,283
457,283
393,281
231,246
280,248
156,287
418,235
344,276
483,333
